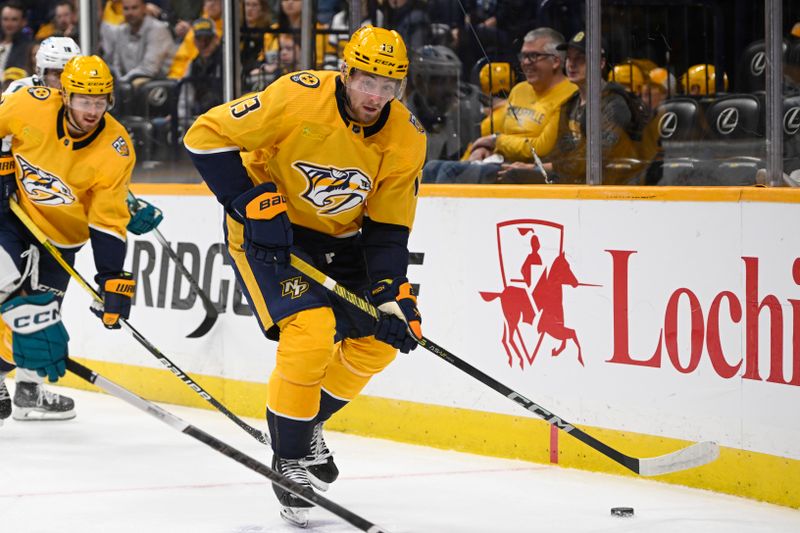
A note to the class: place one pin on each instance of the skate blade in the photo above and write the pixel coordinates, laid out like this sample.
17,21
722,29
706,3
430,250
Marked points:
30,414
297,516
317,483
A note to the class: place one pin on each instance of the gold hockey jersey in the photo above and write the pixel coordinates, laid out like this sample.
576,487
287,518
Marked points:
67,184
333,170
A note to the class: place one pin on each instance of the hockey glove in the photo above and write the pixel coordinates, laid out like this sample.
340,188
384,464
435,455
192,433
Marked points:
145,217
267,230
8,182
117,292
39,339
399,321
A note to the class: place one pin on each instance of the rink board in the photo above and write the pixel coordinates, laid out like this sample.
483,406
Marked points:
685,302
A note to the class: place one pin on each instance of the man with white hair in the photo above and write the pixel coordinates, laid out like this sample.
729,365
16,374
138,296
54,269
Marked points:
531,120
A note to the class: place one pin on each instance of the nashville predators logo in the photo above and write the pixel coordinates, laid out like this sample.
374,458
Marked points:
121,147
334,190
42,187
294,287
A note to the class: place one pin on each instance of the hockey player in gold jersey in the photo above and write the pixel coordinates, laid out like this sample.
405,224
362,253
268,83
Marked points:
325,165
70,171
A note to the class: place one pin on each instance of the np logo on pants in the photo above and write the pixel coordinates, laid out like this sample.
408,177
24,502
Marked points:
294,287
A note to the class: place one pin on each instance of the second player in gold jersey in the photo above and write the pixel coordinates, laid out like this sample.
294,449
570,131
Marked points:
72,163
327,166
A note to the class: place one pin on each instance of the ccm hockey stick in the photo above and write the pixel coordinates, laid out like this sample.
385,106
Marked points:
184,427
692,456
189,382
211,310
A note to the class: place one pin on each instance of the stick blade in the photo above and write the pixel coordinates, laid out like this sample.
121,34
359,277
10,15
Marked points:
691,457
204,327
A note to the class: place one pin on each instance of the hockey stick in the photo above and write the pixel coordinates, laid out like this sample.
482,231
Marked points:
208,305
692,456
184,427
42,239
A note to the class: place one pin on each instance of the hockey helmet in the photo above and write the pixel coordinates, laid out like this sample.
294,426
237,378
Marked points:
435,60
54,52
629,75
702,80
87,75
662,79
502,78
377,51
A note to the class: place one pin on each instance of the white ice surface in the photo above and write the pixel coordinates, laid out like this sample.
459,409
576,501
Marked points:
114,469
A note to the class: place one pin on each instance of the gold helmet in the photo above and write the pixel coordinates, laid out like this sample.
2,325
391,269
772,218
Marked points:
377,51
702,80
629,75
662,79
502,78
87,75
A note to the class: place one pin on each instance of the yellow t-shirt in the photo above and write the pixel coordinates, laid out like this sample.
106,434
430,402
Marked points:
186,53
531,120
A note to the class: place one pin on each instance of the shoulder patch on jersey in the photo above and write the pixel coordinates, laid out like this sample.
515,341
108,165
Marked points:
415,122
42,187
121,147
306,79
40,93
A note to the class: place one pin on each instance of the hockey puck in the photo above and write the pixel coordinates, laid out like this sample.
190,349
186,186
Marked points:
622,511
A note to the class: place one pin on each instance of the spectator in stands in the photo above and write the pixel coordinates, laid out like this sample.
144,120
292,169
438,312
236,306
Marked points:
15,44
617,118
137,49
288,22
12,74
531,119
202,87
63,24
448,109
181,15
410,20
660,85
205,71
257,18
187,51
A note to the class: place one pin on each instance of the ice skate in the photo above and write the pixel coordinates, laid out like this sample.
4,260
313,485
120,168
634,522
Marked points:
33,402
293,508
5,400
322,471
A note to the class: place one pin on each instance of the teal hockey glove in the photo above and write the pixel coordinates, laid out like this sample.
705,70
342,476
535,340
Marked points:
145,217
39,339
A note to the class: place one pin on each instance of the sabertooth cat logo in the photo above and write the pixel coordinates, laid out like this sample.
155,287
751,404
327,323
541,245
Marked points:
43,187
334,190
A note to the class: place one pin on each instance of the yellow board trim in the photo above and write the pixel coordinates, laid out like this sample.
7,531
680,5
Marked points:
741,473
548,192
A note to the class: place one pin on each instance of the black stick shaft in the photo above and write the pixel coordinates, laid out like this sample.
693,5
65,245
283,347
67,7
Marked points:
690,457
42,238
240,457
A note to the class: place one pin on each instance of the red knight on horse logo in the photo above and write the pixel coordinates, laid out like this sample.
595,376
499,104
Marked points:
534,269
